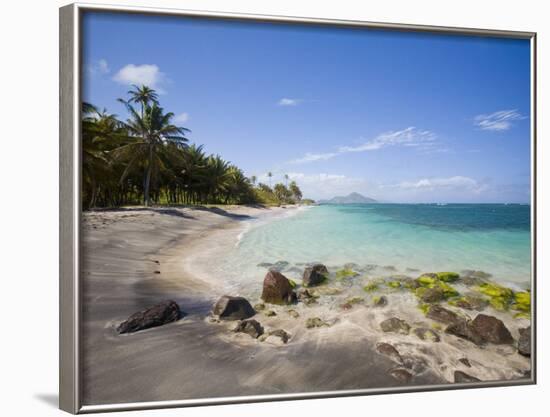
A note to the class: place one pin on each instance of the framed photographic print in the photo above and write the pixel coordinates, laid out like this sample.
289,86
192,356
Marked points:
260,208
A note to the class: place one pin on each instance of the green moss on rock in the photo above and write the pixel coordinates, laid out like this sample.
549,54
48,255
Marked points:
500,297
346,273
370,287
394,284
448,276
522,301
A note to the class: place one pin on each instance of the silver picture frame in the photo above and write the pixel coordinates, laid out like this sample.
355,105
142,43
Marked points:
70,16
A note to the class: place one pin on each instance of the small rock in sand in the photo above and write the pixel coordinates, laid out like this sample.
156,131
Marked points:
390,351
278,337
380,301
250,327
277,289
395,325
162,313
314,275
233,308
400,374
460,376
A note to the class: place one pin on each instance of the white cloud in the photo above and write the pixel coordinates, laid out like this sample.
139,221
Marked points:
182,117
310,157
451,183
409,137
289,101
497,121
146,74
99,67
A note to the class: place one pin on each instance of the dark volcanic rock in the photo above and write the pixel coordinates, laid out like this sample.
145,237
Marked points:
492,329
465,330
277,289
524,343
314,275
426,334
389,351
395,325
442,315
165,312
464,377
233,308
402,375
250,327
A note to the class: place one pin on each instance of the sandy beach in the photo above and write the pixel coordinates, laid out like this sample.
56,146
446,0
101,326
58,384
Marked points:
136,258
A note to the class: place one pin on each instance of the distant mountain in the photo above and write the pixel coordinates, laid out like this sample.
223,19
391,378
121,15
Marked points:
353,198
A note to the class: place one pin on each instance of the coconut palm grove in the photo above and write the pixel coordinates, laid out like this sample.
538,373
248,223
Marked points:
149,160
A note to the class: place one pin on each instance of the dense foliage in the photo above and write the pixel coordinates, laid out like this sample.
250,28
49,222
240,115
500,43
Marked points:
148,160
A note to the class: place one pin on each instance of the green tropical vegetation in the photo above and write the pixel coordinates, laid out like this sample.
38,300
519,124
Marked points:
147,160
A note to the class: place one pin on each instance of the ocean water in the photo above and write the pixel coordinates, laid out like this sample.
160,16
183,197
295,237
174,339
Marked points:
386,239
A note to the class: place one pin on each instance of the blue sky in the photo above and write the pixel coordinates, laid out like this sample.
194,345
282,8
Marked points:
400,117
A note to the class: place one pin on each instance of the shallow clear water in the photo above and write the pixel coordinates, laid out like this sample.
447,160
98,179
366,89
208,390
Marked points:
491,238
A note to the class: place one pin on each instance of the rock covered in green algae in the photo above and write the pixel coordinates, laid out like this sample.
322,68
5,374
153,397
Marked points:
424,333
430,295
346,273
500,297
313,322
380,301
447,276
395,325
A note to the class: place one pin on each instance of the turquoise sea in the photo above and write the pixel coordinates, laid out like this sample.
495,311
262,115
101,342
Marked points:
387,239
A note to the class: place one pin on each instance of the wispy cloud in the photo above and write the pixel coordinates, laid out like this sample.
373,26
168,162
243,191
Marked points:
409,137
289,102
146,74
451,183
498,121
181,118
99,67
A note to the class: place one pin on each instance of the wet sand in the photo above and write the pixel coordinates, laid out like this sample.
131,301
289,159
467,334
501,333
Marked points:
135,258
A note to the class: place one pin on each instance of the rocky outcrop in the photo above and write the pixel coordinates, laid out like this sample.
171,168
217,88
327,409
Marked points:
431,295
492,329
250,327
162,313
277,289
524,343
233,308
395,325
460,376
314,275
483,329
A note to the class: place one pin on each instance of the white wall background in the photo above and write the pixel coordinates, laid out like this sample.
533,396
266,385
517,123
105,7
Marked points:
29,208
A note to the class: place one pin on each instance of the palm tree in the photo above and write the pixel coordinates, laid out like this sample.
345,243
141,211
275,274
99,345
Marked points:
286,180
146,148
143,95
270,174
253,179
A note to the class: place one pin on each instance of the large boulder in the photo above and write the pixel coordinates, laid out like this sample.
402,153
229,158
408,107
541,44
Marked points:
277,289
314,275
492,329
524,343
465,330
233,308
162,313
395,325
250,327
443,315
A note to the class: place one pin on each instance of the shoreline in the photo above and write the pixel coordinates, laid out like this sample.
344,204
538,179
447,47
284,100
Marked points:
124,249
